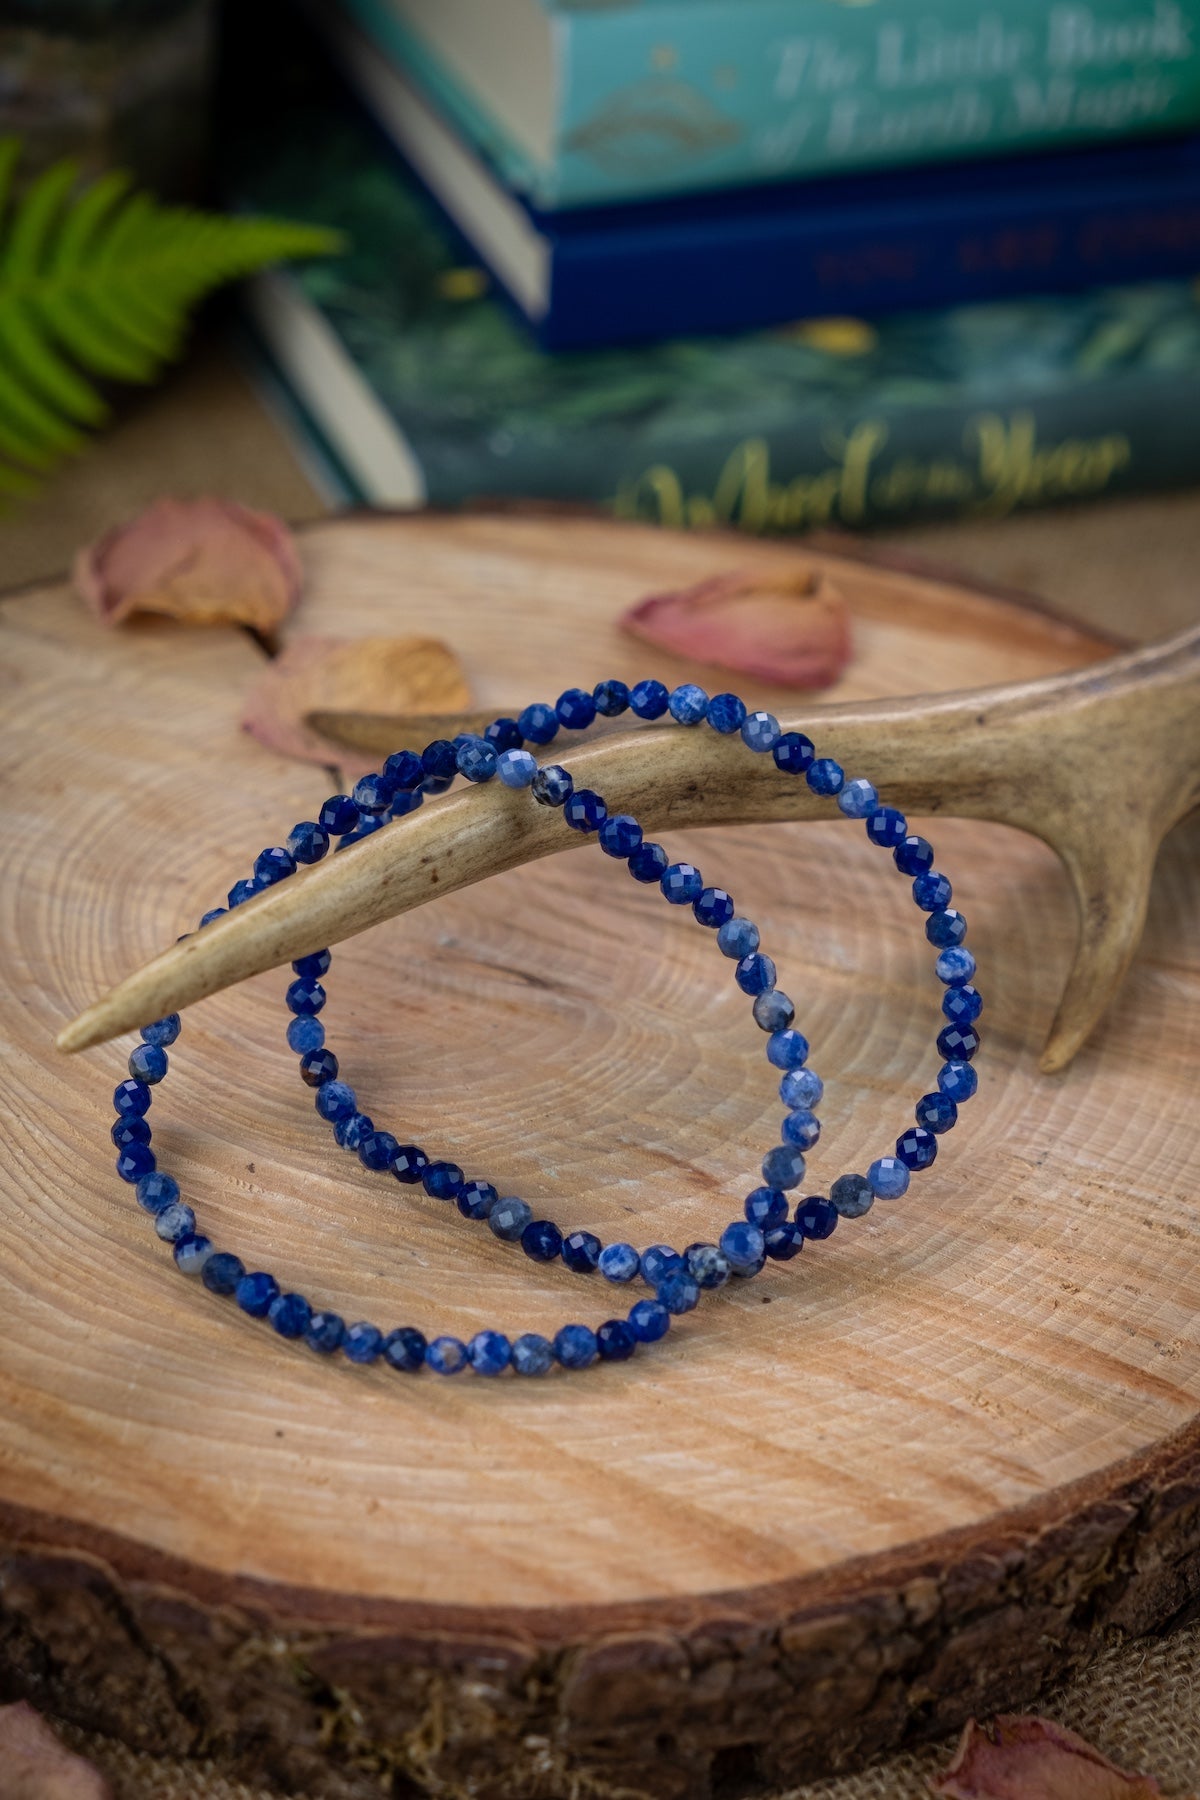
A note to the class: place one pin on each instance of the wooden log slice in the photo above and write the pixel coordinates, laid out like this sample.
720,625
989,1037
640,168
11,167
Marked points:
909,1476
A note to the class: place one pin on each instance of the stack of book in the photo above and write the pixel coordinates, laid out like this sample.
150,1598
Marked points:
556,206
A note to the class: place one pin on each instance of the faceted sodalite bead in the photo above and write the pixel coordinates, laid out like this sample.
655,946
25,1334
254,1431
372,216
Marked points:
682,884
324,1332
136,1161
533,1354
649,699
766,1207
760,731
516,768
254,1293
783,1167
962,1005
649,1321
708,1266
148,1063
801,1089
274,864
305,1033
541,1240
657,1262
244,890
338,815
620,835
406,770
726,713
816,1216
538,723
362,1342
852,1196
773,1010
156,1190
801,1128
317,1067
131,1099
688,704
290,1315
678,1291
619,1262
936,1112
787,1049
743,1248
405,1349
216,912
794,753
615,1341
585,810
738,938
784,1241
581,1251
611,698
315,965
955,966
509,1217
175,1222
409,1164
162,1032
442,1180
367,824
351,1131
552,786
957,1043
858,799
440,763
133,1130
888,1178
887,827
191,1253
446,1355
825,776
575,1346
648,863
913,855
305,996
373,793
916,1148
945,927
477,761
489,1353
932,891
755,973
477,1200
575,709
222,1273
713,907
335,1100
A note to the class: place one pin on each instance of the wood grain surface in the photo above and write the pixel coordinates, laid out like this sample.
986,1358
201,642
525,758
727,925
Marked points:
905,1476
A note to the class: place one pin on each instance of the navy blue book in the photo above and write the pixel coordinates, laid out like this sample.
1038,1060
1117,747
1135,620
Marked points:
891,241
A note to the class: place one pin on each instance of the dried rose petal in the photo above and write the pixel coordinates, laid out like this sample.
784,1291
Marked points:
1021,1758
35,1766
207,562
349,675
790,632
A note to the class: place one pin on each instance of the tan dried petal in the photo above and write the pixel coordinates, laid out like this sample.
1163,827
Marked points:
35,1766
207,562
791,633
1024,1758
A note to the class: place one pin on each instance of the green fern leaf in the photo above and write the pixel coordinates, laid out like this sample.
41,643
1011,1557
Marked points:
99,285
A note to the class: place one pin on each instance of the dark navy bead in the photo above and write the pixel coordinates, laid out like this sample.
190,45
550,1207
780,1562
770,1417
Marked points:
916,1148
217,912
801,1128
504,734
648,863
615,1341
649,1321
376,1149
541,1240
477,761
688,704
163,1031
324,1332
932,891
888,1178
373,794
175,1222
336,1101
290,1315
156,1190
148,1063
308,841
305,996
713,908
241,891
191,1253
409,1164
351,1130
405,1349
318,1066
338,815
913,855
825,776
945,928
887,827
581,1251
708,1267
405,770
611,698
773,1010
575,709
678,1291
274,864
131,1130
440,761
743,1244
682,884
957,1043
533,1354
620,835
222,1272
955,966
552,786
962,1005
816,1216
362,1342
305,1033
766,1207
575,1347
538,723
254,1293
738,938
649,699
477,1199
755,973
619,1262
509,1217
783,1167
726,713
489,1353
657,1262
783,1242
936,1112
787,1049
852,1196
134,1161
313,966
131,1099
585,811
794,753
443,1180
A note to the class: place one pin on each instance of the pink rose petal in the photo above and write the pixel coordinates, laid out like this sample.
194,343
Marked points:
790,633
35,1766
1021,1758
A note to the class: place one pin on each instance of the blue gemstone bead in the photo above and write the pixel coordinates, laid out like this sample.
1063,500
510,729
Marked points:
373,794
290,1315
708,1266
682,884
615,1341
477,1199
552,786
477,761
163,1032
366,825
585,811
440,761
858,799
351,1130
241,891
620,835
773,1010
541,1240
755,973
794,753
533,1354
305,1033
648,862
657,1262
816,1216
338,815
742,1245
936,1112
962,1005
611,698
274,864
783,1167
766,1207
313,966
649,1321
305,995
308,841
946,928
148,1063
131,1099
509,1217
216,912
442,1180
405,770
156,1190
916,1148
726,713
888,1178
760,731
191,1253
131,1130
955,966
134,1161
335,1101
678,1291
489,1353
254,1293
538,723
932,891
787,1049
738,938
503,735
649,699
318,1067
362,1342
175,1222
516,768
957,1043
913,855
222,1272
575,709
825,776
784,1241
713,908
887,827
324,1332
409,1164
405,1349
575,1347
688,704
801,1089
851,1195
581,1251
619,1262
801,1128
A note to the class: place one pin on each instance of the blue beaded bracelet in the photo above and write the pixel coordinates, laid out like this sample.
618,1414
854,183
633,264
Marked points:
771,1226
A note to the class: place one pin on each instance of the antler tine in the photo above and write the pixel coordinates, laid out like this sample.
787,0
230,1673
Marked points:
1098,762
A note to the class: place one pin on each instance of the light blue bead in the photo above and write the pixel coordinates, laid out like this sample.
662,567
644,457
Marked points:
787,1049
801,1128
532,1354
516,768
760,730
955,966
708,1266
175,1221
162,1031
958,1081
888,1178
305,1033
446,1355
191,1253
783,1167
619,1262
738,938
335,1100
742,1245
688,704
508,1219
801,1088
156,1191
858,799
